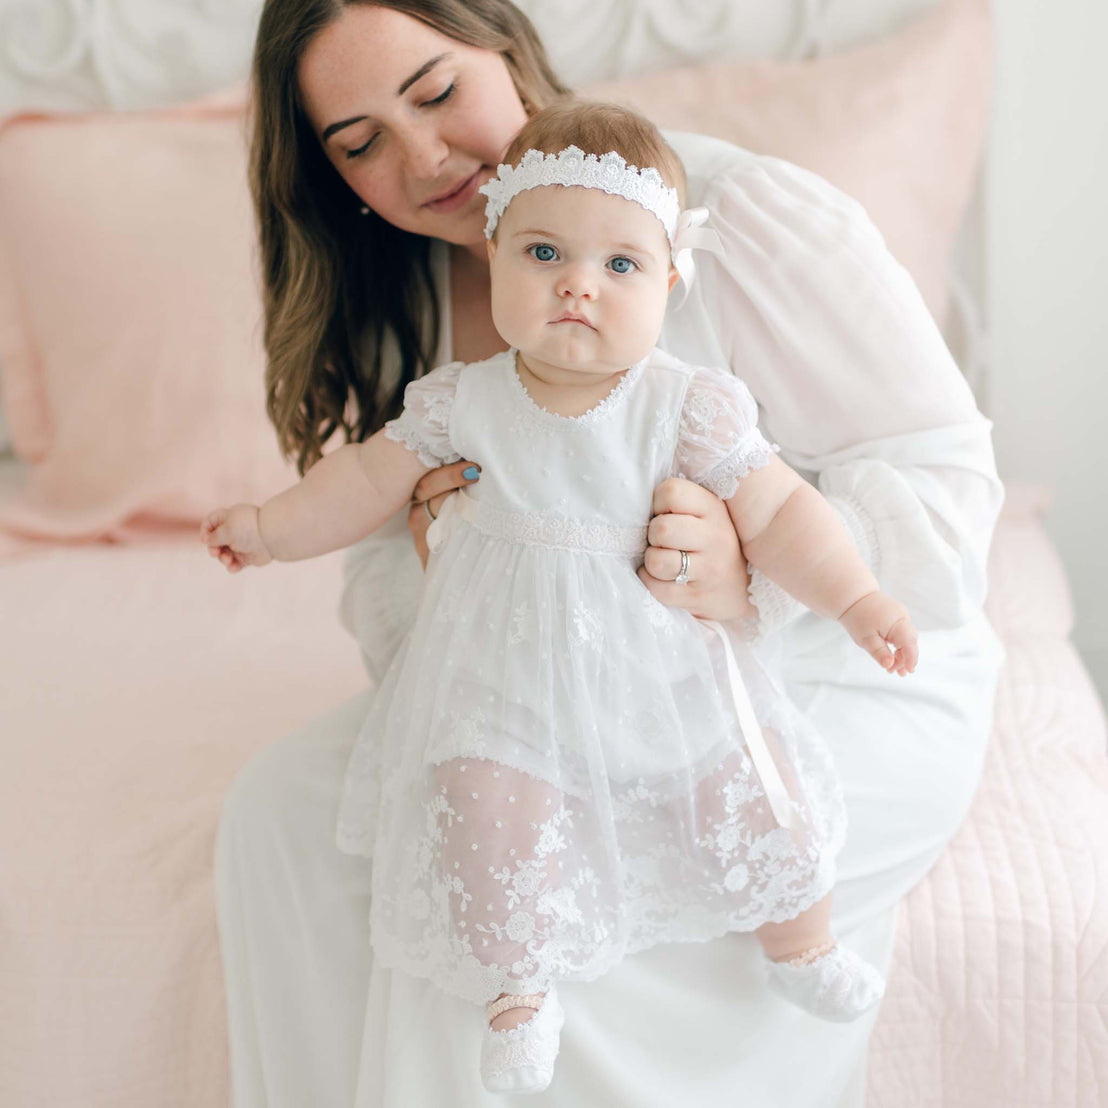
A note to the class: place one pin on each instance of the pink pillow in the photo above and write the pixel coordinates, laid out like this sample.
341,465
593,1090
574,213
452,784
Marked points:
898,124
130,321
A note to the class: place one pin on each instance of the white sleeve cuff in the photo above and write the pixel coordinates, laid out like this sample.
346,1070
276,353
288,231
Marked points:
776,608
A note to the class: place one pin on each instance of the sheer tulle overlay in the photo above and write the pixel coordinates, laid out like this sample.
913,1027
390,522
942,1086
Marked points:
552,775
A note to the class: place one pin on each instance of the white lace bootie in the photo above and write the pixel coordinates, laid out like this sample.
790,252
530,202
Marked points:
838,985
521,1059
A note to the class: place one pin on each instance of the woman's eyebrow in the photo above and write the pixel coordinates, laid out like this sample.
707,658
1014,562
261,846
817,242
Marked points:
404,86
425,68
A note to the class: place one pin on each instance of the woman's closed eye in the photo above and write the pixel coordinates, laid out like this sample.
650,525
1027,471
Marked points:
361,149
442,98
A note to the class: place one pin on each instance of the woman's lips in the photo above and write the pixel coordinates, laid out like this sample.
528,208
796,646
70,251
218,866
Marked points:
457,199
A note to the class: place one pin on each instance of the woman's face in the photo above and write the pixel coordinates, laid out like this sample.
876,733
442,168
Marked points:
412,120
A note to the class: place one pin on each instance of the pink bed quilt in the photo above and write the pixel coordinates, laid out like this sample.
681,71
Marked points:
136,682
999,992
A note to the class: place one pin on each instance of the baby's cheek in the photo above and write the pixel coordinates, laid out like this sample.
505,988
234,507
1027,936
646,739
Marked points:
513,308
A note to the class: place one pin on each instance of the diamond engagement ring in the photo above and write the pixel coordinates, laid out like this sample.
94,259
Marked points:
682,578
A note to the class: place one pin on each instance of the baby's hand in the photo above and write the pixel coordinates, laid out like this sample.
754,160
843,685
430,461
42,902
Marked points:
878,622
232,536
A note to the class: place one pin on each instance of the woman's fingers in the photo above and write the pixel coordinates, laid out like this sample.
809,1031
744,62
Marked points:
679,532
439,482
432,490
665,565
688,596
683,497
679,524
689,518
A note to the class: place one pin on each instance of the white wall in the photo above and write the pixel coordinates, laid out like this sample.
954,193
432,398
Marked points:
1047,179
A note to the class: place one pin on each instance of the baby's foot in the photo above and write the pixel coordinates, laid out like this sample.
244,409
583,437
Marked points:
519,1057
831,982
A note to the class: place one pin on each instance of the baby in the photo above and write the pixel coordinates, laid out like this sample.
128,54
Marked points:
557,770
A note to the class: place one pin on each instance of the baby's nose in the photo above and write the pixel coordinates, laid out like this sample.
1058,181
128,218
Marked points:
579,282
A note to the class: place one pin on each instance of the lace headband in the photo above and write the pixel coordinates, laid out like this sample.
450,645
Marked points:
610,173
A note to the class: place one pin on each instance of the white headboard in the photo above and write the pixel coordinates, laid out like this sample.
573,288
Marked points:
144,53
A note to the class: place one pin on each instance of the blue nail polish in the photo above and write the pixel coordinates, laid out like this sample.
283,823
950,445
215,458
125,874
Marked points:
470,473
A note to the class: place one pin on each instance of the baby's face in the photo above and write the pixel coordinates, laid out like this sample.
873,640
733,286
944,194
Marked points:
579,252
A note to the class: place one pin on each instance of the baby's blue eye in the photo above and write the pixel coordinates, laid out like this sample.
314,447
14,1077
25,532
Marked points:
543,252
622,265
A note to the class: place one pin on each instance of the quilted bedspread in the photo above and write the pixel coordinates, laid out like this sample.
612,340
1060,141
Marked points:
998,995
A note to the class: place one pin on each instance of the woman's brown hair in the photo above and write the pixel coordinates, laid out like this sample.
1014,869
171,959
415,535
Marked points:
342,290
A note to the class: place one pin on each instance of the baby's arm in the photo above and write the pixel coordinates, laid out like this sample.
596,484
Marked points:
342,498
793,535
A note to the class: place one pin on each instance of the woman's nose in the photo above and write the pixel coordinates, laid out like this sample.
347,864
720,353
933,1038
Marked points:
425,152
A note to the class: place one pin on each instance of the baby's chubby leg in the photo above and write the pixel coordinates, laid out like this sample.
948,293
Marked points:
806,966
804,934
490,831
498,869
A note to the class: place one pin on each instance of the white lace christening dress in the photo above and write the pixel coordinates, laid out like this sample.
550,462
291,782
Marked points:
557,769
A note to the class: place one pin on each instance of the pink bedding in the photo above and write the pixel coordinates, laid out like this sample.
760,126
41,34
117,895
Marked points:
137,680
136,683
999,990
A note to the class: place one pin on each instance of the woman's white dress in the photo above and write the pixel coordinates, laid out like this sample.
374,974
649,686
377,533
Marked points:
577,784
856,386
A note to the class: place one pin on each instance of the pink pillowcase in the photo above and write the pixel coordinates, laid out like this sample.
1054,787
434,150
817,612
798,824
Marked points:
130,320
899,124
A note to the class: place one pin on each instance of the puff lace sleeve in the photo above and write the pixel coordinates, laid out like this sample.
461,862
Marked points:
718,441
424,424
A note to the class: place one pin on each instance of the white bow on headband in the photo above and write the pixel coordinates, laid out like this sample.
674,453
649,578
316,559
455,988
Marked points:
690,235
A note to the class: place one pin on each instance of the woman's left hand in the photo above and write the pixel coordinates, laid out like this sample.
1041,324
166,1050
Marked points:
690,518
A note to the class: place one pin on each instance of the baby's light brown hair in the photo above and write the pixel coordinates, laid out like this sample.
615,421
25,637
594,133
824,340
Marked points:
595,127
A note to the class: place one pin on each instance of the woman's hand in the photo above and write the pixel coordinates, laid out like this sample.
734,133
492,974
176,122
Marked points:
431,491
690,518
232,536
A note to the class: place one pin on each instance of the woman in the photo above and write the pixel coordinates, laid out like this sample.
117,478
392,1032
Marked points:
374,126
